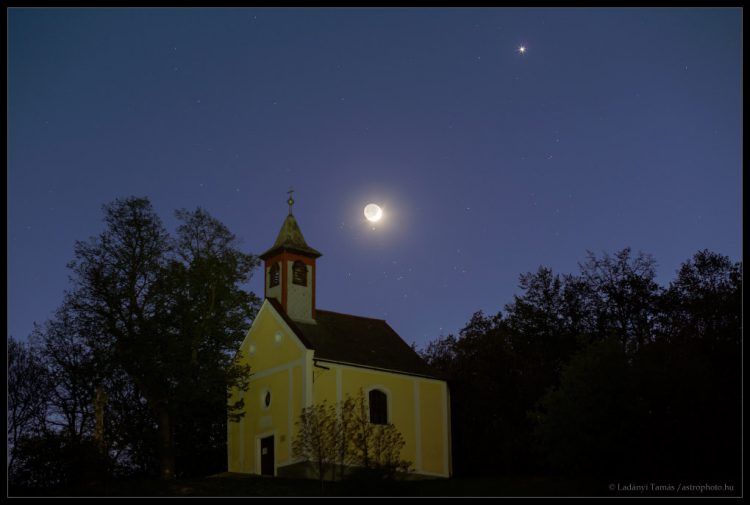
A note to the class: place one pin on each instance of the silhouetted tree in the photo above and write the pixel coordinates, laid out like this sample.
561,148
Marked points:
208,319
665,402
588,424
28,383
544,325
168,315
691,375
620,297
73,372
51,460
481,367
603,373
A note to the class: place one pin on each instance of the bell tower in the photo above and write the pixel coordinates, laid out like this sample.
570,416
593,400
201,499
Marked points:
289,267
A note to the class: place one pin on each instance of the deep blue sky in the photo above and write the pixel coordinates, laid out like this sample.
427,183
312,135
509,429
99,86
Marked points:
617,127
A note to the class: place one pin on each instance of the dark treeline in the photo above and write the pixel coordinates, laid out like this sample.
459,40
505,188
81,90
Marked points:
603,375
131,375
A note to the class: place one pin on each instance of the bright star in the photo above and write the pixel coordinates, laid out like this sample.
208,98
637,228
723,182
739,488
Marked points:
522,49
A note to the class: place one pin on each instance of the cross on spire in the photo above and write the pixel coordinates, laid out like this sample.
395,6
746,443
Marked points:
290,201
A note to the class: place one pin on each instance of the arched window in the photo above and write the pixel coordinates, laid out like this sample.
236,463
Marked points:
299,273
273,275
378,407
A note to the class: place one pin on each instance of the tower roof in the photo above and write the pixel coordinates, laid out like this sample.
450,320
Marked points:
290,239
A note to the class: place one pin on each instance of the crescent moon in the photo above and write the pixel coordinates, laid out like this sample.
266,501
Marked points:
373,212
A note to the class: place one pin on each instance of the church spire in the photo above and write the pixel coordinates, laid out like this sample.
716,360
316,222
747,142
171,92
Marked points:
290,270
290,237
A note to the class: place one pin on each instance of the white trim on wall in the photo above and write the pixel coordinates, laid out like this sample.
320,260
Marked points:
417,428
338,391
446,447
308,379
270,371
242,442
290,410
450,433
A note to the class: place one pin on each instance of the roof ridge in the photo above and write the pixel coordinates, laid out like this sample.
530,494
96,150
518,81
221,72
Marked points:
363,341
351,315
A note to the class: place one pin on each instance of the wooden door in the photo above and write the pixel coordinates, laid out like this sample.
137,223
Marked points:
266,456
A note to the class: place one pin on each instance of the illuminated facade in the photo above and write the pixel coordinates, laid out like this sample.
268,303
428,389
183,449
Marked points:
300,355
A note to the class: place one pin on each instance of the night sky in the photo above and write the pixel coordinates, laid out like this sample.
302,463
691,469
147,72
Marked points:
615,128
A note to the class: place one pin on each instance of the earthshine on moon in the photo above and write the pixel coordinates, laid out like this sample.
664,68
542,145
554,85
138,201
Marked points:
373,213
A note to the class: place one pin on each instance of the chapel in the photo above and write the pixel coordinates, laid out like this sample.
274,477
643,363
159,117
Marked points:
300,355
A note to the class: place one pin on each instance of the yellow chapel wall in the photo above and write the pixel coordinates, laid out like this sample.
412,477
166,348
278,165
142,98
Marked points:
434,425
269,342
416,406
277,365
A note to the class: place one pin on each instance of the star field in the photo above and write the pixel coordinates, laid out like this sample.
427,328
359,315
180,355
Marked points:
497,140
